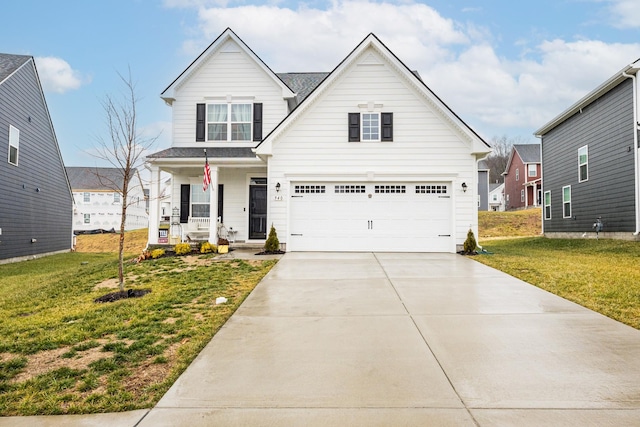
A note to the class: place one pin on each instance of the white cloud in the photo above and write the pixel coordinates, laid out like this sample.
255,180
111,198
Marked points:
457,60
626,13
56,75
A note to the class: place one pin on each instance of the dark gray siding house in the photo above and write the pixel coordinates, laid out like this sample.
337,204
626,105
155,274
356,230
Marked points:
483,185
590,163
37,205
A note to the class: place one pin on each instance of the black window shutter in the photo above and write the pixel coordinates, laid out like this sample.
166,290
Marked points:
185,194
354,127
257,122
387,126
220,201
201,112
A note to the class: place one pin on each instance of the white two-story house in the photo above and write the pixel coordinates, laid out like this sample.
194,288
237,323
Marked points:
97,196
363,158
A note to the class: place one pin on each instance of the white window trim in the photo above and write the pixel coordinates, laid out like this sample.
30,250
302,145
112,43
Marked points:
86,197
564,202
517,174
586,148
14,142
522,195
86,218
229,123
379,131
547,205
532,167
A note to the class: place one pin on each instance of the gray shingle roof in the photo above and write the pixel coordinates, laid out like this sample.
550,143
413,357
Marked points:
9,63
529,153
302,83
212,152
92,178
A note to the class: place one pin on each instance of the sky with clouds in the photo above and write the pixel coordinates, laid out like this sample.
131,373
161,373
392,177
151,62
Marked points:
505,67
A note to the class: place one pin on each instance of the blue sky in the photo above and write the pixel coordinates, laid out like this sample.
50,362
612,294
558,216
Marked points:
505,67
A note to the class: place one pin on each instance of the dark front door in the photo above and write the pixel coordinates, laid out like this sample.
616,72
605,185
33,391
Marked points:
258,209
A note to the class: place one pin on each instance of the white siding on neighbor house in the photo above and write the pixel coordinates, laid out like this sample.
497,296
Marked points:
229,71
105,214
425,146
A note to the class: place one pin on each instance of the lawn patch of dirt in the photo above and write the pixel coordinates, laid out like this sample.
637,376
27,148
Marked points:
50,360
116,296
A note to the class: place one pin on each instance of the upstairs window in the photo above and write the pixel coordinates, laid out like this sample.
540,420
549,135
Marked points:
517,174
86,197
238,122
116,197
532,170
14,145
370,127
583,163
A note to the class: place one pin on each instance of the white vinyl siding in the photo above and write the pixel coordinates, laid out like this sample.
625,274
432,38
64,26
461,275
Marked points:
228,72
14,145
583,163
566,201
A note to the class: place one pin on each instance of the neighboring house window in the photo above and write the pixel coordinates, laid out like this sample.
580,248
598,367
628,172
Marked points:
494,197
507,197
14,145
522,195
533,170
566,201
86,198
87,218
547,205
517,174
199,201
116,197
583,163
370,127
229,122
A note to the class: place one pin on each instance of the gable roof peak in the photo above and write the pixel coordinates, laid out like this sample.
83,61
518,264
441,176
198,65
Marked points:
228,34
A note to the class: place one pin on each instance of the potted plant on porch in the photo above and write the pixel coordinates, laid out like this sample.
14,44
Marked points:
223,245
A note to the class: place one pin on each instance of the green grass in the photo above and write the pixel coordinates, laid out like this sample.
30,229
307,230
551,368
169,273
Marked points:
60,352
602,275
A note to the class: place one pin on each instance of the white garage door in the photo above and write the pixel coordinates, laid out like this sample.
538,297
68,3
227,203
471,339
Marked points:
362,217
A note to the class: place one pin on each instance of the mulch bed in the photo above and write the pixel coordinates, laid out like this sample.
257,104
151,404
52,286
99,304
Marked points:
271,253
129,293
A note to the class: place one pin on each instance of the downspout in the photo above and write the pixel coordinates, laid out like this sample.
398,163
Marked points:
635,149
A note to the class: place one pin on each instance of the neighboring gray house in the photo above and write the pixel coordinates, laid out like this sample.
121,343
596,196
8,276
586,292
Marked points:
98,199
483,185
590,158
36,208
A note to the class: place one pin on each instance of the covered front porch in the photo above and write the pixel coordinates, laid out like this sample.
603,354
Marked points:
233,205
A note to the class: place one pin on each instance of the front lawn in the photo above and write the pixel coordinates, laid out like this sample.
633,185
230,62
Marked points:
603,275
61,352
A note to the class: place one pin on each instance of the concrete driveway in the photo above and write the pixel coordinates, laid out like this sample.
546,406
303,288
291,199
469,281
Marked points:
407,340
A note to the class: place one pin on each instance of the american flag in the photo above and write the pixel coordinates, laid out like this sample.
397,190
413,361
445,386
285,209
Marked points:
207,173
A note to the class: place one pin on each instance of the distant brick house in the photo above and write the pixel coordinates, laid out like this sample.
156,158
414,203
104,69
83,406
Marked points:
523,177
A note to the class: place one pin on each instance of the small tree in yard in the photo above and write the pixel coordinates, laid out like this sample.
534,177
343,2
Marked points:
272,244
470,244
124,150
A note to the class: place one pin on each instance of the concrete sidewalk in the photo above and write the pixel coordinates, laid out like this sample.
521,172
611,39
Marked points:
363,339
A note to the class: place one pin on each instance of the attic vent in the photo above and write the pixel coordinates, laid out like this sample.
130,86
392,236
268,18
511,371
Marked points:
370,59
230,47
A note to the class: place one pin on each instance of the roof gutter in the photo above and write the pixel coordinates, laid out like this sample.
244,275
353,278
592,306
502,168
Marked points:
636,124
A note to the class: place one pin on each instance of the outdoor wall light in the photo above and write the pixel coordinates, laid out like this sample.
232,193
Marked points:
464,187
278,187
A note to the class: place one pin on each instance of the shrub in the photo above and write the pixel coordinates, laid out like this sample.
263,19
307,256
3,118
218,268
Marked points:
272,244
470,244
157,253
206,248
182,248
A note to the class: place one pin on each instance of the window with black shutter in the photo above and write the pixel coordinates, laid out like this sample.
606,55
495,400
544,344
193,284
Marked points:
387,126
354,127
201,121
257,122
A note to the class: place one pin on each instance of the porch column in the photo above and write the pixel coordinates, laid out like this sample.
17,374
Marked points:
213,206
535,194
154,205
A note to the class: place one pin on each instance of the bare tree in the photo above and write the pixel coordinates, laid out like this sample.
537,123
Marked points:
497,160
124,150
